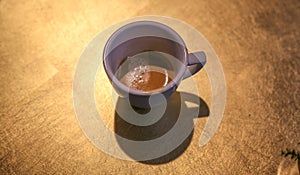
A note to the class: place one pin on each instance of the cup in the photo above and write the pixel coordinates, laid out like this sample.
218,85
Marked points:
166,50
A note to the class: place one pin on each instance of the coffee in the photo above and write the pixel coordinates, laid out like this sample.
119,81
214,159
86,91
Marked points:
146,78
147,71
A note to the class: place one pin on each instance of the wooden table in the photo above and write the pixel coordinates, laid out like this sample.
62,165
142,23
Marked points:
41,41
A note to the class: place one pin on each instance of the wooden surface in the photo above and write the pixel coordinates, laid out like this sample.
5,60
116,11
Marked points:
41,41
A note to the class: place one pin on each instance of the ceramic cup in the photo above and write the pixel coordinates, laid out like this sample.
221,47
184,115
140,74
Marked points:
142,36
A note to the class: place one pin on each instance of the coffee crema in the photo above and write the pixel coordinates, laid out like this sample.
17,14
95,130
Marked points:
146,78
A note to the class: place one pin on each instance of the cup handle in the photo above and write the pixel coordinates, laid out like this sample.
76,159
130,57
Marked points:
196,61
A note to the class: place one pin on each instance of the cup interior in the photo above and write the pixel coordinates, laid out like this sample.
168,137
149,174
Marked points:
155,43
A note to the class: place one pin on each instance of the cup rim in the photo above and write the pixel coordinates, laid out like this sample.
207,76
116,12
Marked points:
174,83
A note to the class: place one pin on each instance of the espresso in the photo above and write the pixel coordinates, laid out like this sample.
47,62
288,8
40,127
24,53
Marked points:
146,78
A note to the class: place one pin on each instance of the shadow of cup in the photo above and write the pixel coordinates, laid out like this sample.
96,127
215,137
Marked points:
162,126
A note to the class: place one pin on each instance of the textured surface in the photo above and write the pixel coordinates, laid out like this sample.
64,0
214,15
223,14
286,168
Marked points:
40,42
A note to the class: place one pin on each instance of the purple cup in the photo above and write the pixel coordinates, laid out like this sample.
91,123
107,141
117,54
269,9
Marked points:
141,36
